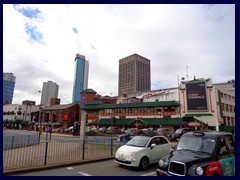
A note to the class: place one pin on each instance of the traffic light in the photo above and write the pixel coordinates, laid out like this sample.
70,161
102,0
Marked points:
36,116
86,119
54,117
32,114
46,117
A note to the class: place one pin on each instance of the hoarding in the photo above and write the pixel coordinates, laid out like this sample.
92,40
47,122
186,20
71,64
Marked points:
65,116
196,96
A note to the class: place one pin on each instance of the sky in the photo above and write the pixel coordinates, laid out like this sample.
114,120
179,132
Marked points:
41,41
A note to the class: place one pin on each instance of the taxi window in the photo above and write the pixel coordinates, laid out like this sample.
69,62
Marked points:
230,144
222,145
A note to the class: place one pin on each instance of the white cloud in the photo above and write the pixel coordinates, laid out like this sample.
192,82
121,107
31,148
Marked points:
171,36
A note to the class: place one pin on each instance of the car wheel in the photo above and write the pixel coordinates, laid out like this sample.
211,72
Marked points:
144,163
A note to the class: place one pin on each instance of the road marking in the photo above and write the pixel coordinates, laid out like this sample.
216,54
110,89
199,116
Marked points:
69,168
149,174
84,174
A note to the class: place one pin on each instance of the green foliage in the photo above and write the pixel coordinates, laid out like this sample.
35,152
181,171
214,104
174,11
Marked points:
95,133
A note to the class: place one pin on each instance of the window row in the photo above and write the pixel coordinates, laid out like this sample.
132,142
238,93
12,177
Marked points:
228,108
227,97
142,109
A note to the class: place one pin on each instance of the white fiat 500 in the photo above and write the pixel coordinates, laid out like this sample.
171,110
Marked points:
141,151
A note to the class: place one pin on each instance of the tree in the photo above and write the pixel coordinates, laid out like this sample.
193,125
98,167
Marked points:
231,81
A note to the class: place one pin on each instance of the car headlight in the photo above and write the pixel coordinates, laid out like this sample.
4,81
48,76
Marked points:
132,157
161,163
199,171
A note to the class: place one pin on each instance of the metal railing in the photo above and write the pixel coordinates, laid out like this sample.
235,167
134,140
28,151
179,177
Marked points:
31,153
10,142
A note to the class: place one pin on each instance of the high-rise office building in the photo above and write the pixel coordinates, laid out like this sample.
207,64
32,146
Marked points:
49,91
80,77
134,75
8,87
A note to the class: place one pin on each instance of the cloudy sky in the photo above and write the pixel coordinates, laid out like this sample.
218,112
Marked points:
40,43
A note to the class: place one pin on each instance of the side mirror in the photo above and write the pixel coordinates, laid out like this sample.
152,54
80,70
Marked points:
174,147
153,145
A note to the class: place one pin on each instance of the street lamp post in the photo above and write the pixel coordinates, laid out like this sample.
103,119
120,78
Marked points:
180,109
39,124
160,114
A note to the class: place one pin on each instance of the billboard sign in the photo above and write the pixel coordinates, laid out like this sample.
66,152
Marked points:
65,116
196,96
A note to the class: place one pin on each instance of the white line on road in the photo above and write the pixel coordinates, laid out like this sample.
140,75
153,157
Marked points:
84,174
149,174
69,168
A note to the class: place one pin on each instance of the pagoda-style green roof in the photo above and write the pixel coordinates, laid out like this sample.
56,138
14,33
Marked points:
94,103
131,105
88,91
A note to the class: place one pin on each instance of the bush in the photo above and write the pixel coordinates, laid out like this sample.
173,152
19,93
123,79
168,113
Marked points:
95,133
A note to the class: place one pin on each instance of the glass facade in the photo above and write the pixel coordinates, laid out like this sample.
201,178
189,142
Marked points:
80,77
8,88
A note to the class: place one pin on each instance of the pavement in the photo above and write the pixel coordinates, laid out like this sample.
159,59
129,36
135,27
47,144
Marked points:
19,170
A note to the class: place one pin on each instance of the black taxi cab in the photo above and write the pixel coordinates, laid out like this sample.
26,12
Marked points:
200,153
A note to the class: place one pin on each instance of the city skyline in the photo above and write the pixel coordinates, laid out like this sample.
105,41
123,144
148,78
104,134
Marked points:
194,40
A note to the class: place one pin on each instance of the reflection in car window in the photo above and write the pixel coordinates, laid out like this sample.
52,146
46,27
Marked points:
193,143
178,131
139,141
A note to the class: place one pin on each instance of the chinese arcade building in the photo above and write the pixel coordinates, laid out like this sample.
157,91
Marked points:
137,115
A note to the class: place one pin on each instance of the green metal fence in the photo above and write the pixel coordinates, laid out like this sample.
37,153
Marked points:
52,152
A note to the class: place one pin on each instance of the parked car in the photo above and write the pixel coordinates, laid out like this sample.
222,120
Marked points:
102,129
178,133
130,133
200,154
141,151
130,130
70,129
164,132
114,130
147,132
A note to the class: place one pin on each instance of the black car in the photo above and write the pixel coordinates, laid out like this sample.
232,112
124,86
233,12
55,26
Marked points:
200,154
178,133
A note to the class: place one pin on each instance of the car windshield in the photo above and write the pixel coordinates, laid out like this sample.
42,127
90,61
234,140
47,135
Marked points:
138,141
196,143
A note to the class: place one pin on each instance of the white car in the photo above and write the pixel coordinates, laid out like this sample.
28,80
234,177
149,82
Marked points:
141,151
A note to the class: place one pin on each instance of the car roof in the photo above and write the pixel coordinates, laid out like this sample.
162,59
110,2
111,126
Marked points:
209,134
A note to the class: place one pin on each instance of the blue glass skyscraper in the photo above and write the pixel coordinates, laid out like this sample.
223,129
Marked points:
8,87
80,77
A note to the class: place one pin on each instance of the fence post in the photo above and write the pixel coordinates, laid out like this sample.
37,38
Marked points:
111,146
28,140
12,142
83,151
46,150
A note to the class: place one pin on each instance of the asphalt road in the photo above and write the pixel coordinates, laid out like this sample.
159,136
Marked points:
102,168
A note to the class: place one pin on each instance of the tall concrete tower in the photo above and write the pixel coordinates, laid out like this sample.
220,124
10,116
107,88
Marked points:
134,75
49,91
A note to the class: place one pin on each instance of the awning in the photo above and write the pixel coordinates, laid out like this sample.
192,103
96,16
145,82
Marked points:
108,121
198,115
195,119
164,121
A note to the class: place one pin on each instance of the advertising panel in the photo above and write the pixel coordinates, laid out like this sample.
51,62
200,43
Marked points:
196,96
65,116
